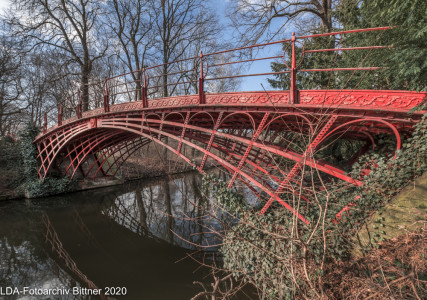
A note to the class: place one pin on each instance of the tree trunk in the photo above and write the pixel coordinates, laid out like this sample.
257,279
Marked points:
84,88
165,94
138,92
168,203
141,208
327,15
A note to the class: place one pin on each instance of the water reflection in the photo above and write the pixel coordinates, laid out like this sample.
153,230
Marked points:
127,236
168,209
23,259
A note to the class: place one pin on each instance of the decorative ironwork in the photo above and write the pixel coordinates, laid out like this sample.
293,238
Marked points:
240,131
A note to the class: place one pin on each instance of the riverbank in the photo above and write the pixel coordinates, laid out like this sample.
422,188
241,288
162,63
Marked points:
406,212
133,169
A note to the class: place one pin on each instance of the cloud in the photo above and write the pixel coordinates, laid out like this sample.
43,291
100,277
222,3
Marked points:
4,4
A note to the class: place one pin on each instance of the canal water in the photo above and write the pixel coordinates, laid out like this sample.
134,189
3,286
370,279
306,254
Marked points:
133,239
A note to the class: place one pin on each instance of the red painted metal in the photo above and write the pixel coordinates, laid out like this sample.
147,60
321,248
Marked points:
244,132
208,147
249,147
345,32
297,167
201,82
347,49
293,92
340,214
60,114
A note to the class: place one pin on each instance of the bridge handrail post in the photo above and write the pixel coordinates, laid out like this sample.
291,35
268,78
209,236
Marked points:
79,106
293,92
106,97
201,81
45,123
60,114
144,93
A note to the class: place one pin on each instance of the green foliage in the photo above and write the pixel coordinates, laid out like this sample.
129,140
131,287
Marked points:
408,63
231,201
389,175
341,151
404,65
33,185
49,186
262,249
29,151
379,235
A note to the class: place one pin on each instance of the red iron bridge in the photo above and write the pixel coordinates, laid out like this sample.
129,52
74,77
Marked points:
252,135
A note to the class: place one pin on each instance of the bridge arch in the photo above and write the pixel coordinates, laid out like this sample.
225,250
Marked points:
221,161
102,142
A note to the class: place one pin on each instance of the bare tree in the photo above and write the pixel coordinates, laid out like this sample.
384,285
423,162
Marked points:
179,24
256,19
51,82
11,76
205,39
131,23
70,26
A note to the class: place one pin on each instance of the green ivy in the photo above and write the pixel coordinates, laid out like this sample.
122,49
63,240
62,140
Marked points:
33,185
231,201
259,250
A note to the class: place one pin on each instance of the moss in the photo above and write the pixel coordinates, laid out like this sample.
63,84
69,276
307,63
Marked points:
407,210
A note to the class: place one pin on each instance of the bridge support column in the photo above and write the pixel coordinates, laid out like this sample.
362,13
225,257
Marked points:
293,92
60,113
202,99
106,98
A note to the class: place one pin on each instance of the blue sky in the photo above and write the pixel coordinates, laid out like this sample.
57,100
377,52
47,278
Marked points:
248,83
251,83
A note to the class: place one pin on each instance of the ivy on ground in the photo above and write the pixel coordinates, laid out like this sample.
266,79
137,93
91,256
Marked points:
281,256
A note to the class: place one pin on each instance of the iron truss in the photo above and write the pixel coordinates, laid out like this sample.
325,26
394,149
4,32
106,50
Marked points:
252,135
246,139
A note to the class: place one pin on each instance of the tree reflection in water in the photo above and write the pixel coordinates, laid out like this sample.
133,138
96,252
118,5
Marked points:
129,236
24,260
164,209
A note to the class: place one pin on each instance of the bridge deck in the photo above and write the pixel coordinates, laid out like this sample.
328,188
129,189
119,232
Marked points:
392,105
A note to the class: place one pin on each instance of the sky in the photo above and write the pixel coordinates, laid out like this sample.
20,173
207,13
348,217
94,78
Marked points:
255,83
4,4
248,83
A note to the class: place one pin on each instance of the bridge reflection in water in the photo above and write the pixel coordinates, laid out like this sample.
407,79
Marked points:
119,236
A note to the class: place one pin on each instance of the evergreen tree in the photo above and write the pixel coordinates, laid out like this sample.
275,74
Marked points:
406,63
402,67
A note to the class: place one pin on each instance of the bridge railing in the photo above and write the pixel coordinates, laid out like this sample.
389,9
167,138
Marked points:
189,76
